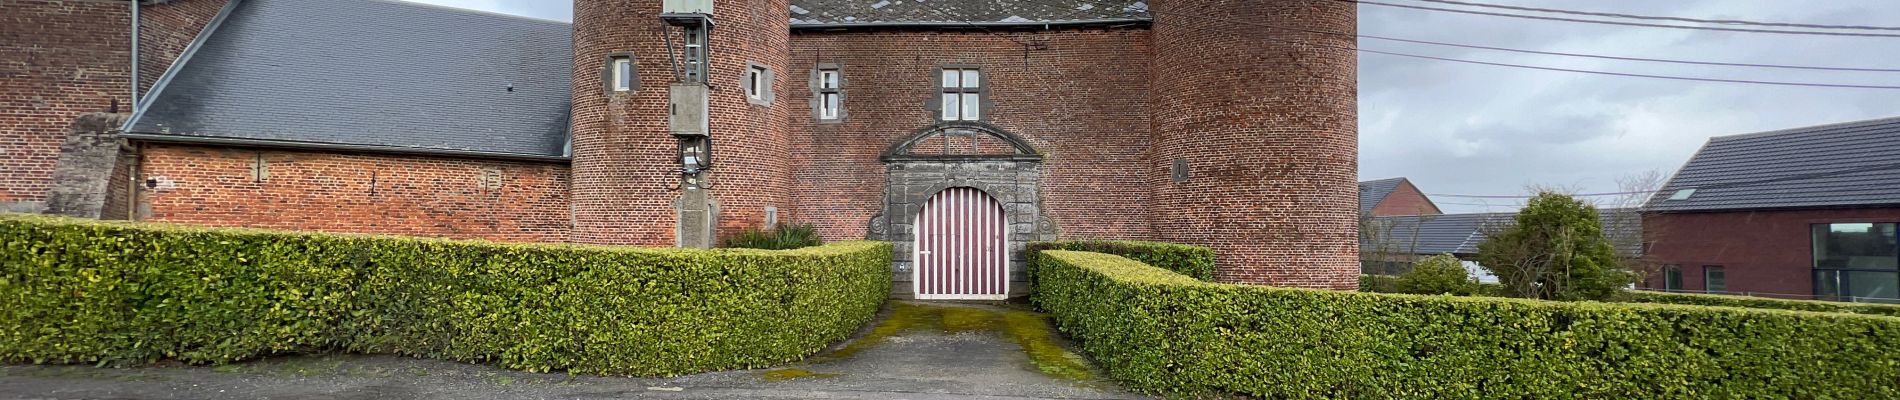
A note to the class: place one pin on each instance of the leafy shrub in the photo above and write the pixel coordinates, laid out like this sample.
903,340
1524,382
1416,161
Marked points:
783,237
94,292
1161,332
1760,302
1556,250
1194,261
1439,274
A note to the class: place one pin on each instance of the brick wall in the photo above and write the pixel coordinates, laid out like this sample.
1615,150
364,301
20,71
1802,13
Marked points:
1405,200
1080,96
625,162
58,59
396,194
1759,251
1269,135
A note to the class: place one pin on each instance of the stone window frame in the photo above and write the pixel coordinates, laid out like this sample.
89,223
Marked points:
983,102
818,93
763,96
608,72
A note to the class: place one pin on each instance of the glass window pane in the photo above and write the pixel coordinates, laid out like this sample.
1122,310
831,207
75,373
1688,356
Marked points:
970,104
1714,279
1855,246
1672,277
1873,286
623,74
950,107
1827,284
828,79
830,108
970,79
950,78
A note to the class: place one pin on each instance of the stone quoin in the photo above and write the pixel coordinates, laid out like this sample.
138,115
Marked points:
1082,119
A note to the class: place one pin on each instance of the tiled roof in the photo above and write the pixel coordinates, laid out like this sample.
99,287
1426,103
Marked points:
1373,192
1460,234
1840,165
808,13
375,73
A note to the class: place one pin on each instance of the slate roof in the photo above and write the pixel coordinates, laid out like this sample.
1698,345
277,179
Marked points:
845,13
375,73
1373,192
1840,165
1460,234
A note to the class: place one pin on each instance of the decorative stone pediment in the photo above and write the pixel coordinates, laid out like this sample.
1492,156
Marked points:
961,141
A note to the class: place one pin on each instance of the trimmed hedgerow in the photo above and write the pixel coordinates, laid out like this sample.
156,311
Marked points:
94,292
1760,302
1194,261
1162,332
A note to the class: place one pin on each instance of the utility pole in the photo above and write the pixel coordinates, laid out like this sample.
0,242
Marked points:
688,118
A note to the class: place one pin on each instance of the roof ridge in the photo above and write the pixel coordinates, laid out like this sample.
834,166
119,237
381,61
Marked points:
471,11
1811,128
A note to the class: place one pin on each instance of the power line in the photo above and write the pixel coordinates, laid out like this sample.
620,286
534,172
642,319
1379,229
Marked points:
1592,21
1448,59
1665,18
1726,185
1553,53
1488,196
1623,58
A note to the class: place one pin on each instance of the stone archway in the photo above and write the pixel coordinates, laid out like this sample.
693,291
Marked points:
961,154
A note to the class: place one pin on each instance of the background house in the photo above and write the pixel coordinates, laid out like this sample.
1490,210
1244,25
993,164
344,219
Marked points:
1393,196
1800,213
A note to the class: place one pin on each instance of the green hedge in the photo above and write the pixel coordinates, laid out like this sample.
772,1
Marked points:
1760,302
1194,261
1162,332
94,292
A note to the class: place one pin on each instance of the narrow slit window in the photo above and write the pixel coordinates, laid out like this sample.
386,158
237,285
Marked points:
962,94
830,94
755,82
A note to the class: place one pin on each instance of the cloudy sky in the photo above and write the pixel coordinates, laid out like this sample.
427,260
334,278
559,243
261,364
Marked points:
1472,129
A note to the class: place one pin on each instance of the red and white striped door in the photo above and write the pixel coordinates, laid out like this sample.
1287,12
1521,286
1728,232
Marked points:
962,251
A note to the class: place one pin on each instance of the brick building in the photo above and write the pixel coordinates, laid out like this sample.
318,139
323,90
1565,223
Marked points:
1797,213
957,130
1393,196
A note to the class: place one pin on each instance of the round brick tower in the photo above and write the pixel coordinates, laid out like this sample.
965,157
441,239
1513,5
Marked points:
625,161
1267,132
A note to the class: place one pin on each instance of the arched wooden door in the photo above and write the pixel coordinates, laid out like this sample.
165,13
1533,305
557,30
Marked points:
962,249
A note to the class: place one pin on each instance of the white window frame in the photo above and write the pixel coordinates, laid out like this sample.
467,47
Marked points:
829,92
961,93
621,71
757,83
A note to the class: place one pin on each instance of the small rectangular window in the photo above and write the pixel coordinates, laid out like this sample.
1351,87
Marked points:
755,83
830,95
1672,277
962,94
620,75
1714,279
623,74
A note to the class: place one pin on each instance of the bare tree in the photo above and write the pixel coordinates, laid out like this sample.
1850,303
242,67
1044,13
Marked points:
1623,220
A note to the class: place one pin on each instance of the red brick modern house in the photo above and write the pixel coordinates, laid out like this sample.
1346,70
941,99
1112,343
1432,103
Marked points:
1393,196
1800,213
958,130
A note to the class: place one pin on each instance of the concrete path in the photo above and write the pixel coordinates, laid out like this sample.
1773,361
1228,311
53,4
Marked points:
916,351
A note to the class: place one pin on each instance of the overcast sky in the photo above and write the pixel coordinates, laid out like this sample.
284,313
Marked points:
1472,129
